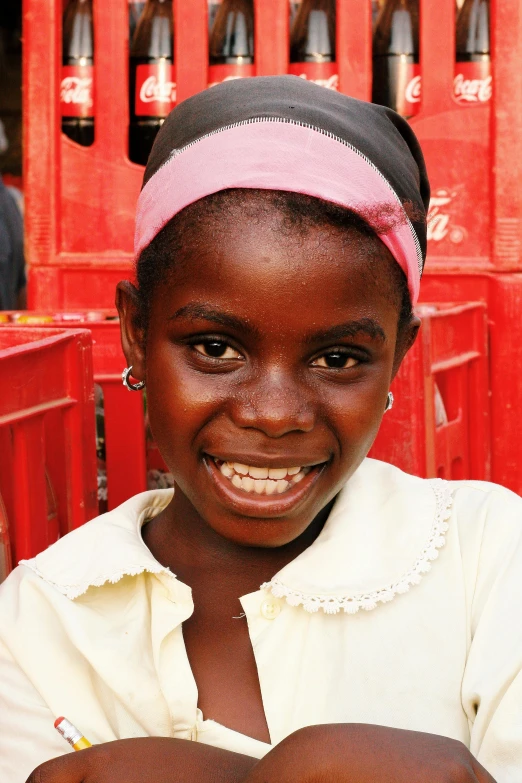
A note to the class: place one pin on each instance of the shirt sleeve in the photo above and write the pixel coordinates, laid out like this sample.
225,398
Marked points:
27,733
492,683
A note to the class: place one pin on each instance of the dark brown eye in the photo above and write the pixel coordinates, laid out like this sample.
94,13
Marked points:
217,349
335,360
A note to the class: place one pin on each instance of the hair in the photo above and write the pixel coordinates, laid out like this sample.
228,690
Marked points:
299,213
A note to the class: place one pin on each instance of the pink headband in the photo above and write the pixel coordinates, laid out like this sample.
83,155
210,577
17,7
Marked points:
272,154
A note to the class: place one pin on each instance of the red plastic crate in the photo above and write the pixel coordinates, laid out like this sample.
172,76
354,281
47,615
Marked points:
46,415
80,201
124,420
503,295
439,425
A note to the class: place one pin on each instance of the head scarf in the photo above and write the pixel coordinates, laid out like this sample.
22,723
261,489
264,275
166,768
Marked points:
284,133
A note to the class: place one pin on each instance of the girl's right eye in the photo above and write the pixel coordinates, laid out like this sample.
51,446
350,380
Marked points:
216,349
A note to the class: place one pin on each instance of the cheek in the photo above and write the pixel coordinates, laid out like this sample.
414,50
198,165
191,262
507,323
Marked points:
355,413
180,401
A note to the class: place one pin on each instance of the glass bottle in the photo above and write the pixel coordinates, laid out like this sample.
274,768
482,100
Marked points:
312,43
152,78
231,44
77,83
396,69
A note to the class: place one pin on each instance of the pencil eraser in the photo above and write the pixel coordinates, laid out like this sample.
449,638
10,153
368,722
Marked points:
57,722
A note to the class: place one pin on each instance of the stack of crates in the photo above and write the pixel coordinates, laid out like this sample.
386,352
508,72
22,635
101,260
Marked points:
47,477
81,200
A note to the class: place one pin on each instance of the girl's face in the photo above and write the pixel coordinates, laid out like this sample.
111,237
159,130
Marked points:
268,360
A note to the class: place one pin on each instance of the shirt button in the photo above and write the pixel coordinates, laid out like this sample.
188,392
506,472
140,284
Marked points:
270,609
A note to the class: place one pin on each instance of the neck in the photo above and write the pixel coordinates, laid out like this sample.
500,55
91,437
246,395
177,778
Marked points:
182,540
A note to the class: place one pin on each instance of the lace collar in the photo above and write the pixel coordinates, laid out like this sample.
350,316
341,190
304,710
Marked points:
381,538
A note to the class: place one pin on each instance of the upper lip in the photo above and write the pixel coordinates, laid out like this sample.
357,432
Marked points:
260,461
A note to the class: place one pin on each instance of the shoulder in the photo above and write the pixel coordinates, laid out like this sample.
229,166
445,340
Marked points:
488,518
386,531
103,550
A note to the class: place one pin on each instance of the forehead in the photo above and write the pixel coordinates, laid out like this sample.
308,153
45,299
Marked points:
278,272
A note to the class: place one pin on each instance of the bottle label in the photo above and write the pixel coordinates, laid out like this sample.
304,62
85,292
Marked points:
408,89
324,74
225,73
77,91
473,84
155,90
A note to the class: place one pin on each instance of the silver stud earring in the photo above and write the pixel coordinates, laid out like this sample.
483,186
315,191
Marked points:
389,402
128,385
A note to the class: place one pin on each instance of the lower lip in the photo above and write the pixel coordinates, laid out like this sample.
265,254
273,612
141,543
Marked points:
262,505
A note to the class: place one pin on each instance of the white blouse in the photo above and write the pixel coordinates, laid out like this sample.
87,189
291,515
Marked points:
406,611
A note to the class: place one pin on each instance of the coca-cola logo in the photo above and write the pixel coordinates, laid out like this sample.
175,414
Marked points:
440,217
331,83
414,90
472,90
76,90
154,90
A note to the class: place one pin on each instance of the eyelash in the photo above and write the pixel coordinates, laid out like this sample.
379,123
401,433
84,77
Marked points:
338,350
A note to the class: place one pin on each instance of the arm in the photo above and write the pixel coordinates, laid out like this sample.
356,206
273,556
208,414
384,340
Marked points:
363,753
146,760
28,740
27,734
492,684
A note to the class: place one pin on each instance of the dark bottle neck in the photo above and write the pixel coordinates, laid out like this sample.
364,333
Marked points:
154,35
313,32
232,34
473,29
397,30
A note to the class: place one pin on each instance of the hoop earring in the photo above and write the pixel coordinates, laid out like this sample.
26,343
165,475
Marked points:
389,402
131,386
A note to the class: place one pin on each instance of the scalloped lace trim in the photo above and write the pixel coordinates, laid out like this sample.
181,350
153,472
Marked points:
368,601
76,590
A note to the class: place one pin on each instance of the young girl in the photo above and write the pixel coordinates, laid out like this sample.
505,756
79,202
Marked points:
293,612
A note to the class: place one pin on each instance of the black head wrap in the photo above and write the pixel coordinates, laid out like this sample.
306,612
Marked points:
285,133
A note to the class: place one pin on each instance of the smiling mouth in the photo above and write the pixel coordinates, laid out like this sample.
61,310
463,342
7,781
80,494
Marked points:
261,481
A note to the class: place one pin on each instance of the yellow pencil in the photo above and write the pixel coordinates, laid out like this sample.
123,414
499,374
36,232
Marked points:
71,734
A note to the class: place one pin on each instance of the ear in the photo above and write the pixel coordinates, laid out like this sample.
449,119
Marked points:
132,332
405,340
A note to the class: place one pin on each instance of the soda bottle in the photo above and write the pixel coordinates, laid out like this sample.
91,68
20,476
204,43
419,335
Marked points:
312,43
152,79
77,84
396,69
135,11
231,45
473,80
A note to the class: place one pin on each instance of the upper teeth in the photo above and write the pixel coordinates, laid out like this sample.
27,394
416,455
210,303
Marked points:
262,481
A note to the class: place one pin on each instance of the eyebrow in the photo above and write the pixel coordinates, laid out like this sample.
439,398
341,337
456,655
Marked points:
367,326
195,311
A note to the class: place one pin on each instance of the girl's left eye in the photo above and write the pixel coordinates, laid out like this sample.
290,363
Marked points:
217,349
335,360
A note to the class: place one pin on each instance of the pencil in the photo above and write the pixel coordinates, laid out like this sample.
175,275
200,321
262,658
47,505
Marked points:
71,734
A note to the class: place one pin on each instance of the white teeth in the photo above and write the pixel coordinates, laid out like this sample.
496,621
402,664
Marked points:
261,481
277,473
271,487
258,473
247,483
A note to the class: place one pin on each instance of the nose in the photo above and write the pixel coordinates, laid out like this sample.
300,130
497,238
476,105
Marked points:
275,403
